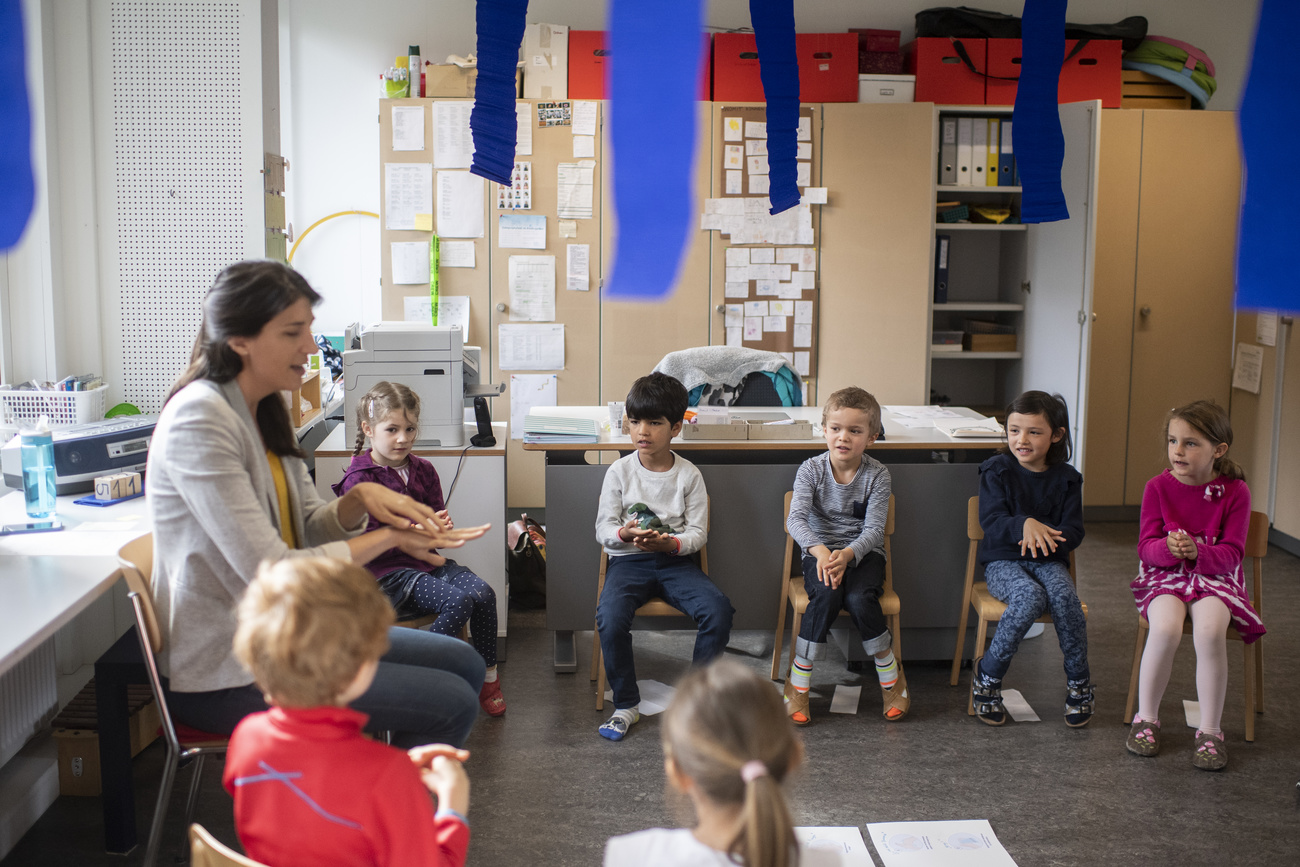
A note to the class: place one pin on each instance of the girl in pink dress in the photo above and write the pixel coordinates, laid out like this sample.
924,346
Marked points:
1195,516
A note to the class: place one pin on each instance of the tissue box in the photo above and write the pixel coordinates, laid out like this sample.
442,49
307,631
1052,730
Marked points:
117,486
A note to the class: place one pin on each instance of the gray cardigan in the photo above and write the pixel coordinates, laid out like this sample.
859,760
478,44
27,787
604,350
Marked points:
215,517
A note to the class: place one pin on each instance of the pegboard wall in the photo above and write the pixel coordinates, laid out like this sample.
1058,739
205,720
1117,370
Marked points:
182,119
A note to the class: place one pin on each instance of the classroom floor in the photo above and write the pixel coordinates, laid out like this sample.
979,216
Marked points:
548,790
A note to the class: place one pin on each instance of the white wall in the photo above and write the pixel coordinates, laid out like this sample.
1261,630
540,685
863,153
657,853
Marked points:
334,50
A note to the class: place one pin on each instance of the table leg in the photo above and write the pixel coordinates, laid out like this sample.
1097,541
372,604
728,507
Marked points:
566,652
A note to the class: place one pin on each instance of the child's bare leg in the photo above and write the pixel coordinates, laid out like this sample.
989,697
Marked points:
1165,614
1209,627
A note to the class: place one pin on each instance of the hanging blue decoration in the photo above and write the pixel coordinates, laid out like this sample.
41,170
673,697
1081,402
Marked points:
500,25
17,184
654,151
1270,128
1040,144
778,67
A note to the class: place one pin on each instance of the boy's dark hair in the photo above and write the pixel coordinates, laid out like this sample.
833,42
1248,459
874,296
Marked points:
656,396
1053,408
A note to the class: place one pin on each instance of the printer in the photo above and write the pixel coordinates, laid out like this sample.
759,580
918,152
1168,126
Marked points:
431,360
85,451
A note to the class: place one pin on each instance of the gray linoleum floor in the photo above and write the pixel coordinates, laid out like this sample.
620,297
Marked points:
548,790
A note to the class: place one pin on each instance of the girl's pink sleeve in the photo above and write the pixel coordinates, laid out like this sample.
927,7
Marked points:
1224,556
1152,548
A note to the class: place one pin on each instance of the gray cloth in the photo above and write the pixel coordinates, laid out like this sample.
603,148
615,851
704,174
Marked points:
728,365
215,517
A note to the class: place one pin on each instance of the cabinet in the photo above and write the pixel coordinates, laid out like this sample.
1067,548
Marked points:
1169,190
1030,281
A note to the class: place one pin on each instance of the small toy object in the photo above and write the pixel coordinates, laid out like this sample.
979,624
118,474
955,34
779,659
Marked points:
645,517
117,487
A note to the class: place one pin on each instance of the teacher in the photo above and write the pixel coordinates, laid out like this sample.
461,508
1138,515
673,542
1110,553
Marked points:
228,488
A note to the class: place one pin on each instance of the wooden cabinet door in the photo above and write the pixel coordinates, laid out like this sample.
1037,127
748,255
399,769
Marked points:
1183,318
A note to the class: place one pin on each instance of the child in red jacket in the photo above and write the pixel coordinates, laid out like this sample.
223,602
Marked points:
309,789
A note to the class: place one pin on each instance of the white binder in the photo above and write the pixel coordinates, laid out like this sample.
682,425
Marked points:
964,132
979,151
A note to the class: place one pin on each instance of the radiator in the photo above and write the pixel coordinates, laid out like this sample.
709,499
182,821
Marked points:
29,699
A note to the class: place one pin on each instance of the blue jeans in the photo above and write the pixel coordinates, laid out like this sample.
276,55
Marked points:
426,691
631,580
859,594
1030,589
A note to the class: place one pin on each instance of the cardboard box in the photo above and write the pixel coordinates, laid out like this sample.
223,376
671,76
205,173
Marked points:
989,342
761,430
886,88
546,61
589,65
1144,90
1092,73
828,64
877,40
76,737
942,77
733,430
880,63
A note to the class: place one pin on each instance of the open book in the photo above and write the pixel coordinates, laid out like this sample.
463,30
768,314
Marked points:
962,428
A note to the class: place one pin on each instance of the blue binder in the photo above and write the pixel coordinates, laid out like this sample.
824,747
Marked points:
941,247
1006,158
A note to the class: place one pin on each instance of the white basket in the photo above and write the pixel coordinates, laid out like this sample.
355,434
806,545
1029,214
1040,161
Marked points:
64,408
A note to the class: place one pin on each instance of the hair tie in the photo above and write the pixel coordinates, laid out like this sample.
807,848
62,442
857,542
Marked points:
370,413
752,770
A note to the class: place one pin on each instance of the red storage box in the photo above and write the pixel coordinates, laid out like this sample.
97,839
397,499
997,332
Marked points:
828,67
876,40
1093,73
588,62
941,75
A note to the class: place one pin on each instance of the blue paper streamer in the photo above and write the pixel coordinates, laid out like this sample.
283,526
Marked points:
778,67
1040,144
500,25
1270,129
653,119
17,183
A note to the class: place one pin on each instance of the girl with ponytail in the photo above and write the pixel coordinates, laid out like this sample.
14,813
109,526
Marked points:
728,745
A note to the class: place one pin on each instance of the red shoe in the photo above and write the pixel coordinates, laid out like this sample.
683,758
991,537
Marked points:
491,699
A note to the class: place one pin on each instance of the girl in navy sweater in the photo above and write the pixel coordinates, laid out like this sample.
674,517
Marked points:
1031,511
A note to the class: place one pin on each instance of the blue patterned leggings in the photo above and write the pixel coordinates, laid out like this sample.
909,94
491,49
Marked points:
1031,589
456,595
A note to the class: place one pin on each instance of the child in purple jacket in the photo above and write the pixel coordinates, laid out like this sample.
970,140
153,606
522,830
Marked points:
389,415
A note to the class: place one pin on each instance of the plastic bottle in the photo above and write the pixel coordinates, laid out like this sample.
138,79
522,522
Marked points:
416,71
38,469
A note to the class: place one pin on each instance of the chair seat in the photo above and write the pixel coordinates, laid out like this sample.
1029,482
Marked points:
991,608
656,607
889,602
192,738
416,622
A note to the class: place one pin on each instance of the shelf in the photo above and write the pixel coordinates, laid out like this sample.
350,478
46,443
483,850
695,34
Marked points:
982,227
990,306
975,356
955,188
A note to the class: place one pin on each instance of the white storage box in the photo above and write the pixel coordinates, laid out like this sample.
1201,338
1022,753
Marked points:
64,408
878,87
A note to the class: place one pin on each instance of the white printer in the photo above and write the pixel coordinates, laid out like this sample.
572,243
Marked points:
431,360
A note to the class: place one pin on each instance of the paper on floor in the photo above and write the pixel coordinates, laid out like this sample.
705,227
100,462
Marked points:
1192,710
846,841
1017,706
969,843
846,699
655,696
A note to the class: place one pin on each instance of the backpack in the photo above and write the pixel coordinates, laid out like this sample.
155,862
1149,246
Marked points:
963,22
1176,62
526,563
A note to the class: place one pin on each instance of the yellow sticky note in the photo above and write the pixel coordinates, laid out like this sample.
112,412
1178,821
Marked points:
424,222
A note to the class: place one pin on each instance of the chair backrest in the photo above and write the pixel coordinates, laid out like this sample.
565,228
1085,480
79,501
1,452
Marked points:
208,851
135,560
1256,549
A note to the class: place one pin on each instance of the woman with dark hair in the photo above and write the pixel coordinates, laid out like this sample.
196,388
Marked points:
228,489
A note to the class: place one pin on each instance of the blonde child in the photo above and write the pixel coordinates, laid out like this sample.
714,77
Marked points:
838,515
727,746
308,787
389,416
1031,511
1195,516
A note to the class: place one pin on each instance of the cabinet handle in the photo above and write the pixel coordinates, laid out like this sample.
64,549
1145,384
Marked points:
1145,310
501,307
721,308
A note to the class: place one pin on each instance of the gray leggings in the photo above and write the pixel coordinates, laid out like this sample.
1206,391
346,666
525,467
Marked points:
1031,589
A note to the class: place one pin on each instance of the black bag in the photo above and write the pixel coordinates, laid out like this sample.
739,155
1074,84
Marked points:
963,22
526,563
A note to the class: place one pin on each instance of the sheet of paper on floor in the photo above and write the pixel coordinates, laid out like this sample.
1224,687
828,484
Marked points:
1016,705
528,390
847,841
1192,710
655,696
846,699
959,843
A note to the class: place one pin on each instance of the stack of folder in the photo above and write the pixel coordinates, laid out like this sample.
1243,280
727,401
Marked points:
560,429
976,152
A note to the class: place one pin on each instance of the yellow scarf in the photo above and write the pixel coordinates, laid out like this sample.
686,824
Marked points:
282,497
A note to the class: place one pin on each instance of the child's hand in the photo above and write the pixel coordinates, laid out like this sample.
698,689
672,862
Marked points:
823,555
446,519
631,532
657,543
442,774
1181,545
1037,536
837,564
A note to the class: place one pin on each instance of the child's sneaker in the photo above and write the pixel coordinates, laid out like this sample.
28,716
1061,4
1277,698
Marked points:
491,699
986,697
1210,754
796,705
897,700
1144,737
1078,705
615,728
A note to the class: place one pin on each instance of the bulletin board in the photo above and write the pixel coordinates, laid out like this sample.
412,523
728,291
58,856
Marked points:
767,266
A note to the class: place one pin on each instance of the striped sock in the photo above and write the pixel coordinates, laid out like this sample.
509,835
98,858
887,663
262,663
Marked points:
801,674
887,670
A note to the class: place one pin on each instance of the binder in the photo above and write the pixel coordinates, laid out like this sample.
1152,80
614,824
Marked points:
991,176
979,151
948,152
964,151
941,268
1006,169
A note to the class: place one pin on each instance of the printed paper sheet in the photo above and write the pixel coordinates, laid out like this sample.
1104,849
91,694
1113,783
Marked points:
528,390
969,843
460,205
408,190
532,289
530,347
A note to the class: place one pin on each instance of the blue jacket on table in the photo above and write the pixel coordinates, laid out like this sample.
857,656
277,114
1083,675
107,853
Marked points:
1009,494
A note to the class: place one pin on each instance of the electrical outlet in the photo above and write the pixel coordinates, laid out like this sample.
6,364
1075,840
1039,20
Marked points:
76,766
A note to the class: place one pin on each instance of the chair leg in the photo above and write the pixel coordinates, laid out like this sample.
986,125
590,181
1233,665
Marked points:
981,632
1248,675
1138,646
600,677
192,801
160,809
778,641
595,650
896,629
1259,675
796,623
961,644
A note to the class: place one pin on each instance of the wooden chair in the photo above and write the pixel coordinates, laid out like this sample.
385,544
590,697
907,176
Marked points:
976,595
793,593
135,561
655,607
1253,654
208,851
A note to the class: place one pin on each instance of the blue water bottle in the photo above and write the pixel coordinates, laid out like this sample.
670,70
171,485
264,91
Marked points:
38,469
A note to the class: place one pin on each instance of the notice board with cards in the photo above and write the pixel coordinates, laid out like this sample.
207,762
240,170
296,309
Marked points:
764,267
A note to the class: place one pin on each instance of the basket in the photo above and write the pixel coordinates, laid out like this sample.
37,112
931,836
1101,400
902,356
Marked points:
64,408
